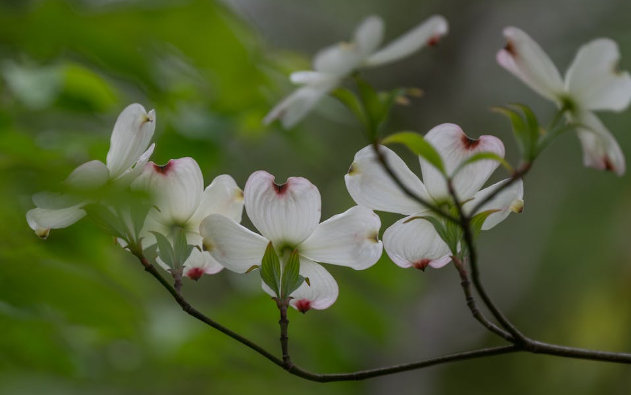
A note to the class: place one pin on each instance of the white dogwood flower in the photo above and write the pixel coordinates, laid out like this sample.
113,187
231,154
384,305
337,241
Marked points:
181,202
127,156
592,83
414,242
288,215
332,64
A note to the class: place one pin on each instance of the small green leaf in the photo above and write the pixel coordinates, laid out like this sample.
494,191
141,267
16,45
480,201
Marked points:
181,249
138,216
292,279
482,156
151,252
478,221
270,269
417,144
350,100
532,123
521,131
165,250
107,221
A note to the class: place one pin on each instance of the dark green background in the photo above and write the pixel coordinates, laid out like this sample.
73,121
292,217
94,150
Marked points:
78,315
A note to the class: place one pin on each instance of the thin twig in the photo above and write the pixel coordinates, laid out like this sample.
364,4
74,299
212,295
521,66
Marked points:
465,224
475,311
405,189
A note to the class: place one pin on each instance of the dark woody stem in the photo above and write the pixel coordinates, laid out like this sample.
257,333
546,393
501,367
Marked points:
465,224
471,303
405,189
284,324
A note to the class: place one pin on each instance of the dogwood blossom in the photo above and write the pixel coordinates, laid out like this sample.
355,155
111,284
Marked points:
181,202
592,83
288,215
127,155
332,64
413,241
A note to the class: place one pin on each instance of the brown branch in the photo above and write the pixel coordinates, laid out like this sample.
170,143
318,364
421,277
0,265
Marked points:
405,189
475,311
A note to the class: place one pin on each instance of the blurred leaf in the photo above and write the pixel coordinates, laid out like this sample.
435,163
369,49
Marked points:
106,220
478,221
165,250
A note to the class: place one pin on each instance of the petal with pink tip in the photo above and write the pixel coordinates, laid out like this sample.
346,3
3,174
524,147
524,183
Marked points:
600,148
370,186
176,189
454,146
321,291
413,242
200,263
349,239
525,59
285,214
427,33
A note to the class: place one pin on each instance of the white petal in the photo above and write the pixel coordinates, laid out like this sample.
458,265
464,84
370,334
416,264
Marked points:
348,239
309,77
454,146
232,245
369,35
42,220
427,33
89,176
509,200
176,189
131,136
222,196
297,105
338,60
200,263
320,293
370,186
525,59
593,80
415,243
285,214
129,175
600,148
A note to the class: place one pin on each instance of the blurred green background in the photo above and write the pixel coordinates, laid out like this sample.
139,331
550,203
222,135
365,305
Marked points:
78,315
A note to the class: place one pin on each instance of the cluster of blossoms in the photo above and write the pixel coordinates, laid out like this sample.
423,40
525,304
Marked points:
195,230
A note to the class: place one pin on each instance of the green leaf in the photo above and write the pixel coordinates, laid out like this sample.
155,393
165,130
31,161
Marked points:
478,221
350,100
270,269
532,123
291,275
181,249
138,216
483,156
151,252
419,146
107,221
165,250
453,231
521,130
